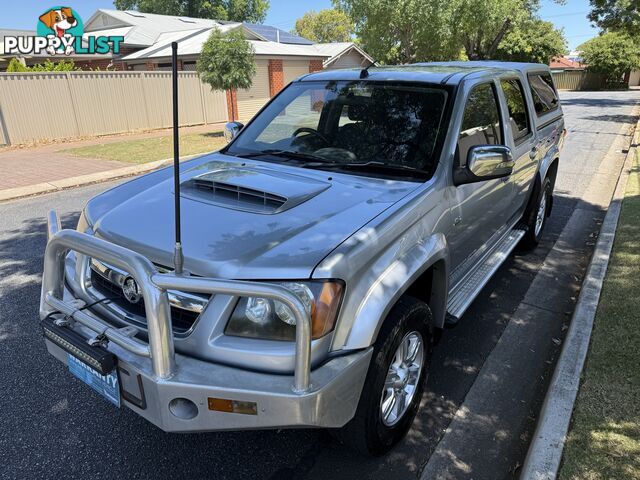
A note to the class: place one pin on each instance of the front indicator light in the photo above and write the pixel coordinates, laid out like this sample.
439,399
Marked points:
232,406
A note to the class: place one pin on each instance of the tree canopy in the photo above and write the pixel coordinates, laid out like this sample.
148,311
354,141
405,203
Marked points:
236,10
329,25
405,31
227,62
616,15
613,54
533,40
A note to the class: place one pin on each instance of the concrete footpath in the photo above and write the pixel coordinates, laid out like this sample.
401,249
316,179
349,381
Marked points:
47,168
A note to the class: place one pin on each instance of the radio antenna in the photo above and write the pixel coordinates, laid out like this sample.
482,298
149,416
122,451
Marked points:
178,257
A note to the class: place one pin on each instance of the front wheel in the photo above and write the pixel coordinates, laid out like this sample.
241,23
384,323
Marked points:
537,217
395,381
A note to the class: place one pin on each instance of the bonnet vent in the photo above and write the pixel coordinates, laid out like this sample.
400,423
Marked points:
252,189
238,197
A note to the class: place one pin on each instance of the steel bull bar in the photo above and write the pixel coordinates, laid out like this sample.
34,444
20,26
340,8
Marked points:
154,285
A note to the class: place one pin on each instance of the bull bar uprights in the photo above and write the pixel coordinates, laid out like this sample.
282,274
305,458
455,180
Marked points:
154,286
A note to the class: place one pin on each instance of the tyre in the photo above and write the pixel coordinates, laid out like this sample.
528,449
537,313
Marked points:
395,381
536,218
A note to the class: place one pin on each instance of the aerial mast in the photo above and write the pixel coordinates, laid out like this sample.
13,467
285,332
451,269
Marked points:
178,257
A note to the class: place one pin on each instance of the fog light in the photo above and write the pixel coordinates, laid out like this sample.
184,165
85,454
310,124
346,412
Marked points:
233,406
183,408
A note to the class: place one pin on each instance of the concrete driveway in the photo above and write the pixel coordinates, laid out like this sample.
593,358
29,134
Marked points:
489,374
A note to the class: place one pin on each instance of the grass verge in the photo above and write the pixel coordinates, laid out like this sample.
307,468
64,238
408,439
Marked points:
145,150
604,439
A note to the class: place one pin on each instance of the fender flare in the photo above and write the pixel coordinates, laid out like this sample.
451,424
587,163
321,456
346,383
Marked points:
395,279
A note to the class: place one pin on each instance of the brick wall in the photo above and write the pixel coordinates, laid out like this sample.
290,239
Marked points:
315,66
276,77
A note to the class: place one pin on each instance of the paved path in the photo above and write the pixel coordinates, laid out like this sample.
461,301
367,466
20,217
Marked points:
54,427
22,167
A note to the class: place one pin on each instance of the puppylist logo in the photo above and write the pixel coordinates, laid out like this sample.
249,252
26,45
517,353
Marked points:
59,32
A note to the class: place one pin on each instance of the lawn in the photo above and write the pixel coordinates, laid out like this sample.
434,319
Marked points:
145,150
604,440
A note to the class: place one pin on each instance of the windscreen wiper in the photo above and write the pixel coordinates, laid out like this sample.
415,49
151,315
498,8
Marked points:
287,154
373,166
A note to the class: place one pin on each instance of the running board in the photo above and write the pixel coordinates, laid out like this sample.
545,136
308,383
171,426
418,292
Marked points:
465,292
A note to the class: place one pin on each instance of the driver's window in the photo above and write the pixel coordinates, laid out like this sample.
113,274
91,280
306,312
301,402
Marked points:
481,124
302,112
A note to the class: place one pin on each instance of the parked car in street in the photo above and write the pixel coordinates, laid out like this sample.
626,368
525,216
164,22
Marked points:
326,247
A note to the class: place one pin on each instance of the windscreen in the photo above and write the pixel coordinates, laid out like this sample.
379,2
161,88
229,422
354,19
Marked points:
351,123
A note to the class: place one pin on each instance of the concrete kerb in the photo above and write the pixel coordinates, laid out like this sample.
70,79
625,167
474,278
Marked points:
545,452
99,177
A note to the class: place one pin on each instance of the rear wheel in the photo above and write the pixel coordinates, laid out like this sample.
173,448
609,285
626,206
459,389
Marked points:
537,216
395,381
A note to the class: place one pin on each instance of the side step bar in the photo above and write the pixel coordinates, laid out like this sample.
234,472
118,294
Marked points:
465,291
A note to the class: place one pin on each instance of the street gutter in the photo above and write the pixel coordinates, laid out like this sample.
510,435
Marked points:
545,452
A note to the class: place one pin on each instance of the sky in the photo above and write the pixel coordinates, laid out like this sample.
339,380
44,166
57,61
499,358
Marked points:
283,13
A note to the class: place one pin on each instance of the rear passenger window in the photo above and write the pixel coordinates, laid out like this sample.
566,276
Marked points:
544,93
517,108
481,121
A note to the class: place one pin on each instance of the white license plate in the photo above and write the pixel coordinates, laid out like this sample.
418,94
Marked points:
105,385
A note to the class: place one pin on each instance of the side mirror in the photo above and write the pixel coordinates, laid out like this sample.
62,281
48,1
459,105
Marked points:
485,162
231,130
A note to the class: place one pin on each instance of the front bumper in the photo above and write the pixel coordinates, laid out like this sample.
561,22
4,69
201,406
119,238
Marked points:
330,402
155,380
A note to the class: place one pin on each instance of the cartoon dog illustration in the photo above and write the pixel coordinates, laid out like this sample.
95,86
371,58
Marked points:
59,20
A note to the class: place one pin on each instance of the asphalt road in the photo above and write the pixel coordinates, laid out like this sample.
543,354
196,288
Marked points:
53,426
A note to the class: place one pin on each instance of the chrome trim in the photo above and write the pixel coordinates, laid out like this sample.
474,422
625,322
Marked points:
154,286
53,224
181,300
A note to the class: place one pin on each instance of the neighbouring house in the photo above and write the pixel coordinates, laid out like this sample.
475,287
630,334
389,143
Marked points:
563,64
280,56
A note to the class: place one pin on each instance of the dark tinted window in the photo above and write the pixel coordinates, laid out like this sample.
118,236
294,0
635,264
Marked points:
544,94
351,123
517,108
481,121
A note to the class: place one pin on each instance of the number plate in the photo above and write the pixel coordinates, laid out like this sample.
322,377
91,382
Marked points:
105,385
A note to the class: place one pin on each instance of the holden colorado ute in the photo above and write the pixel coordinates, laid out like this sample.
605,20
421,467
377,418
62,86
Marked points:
325,249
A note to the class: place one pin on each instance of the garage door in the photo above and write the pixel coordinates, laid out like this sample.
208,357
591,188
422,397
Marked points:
252,100
292,69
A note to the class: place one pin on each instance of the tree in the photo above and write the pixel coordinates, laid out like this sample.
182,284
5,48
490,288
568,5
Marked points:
406,31
325,26
616,15
612,54
16,65
227,62
532,40
236,10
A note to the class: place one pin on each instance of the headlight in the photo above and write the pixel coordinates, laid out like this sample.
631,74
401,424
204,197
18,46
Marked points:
256,317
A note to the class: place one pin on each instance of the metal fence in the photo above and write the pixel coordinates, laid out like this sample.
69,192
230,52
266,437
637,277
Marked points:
38,106
578,80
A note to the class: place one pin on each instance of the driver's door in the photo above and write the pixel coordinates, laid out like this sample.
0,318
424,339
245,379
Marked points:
480,209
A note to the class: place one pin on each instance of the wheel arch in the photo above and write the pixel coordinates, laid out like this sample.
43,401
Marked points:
424,273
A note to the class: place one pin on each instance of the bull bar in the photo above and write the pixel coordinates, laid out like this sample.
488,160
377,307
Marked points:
154,285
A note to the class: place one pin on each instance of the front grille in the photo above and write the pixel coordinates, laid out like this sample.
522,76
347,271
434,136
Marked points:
181,320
